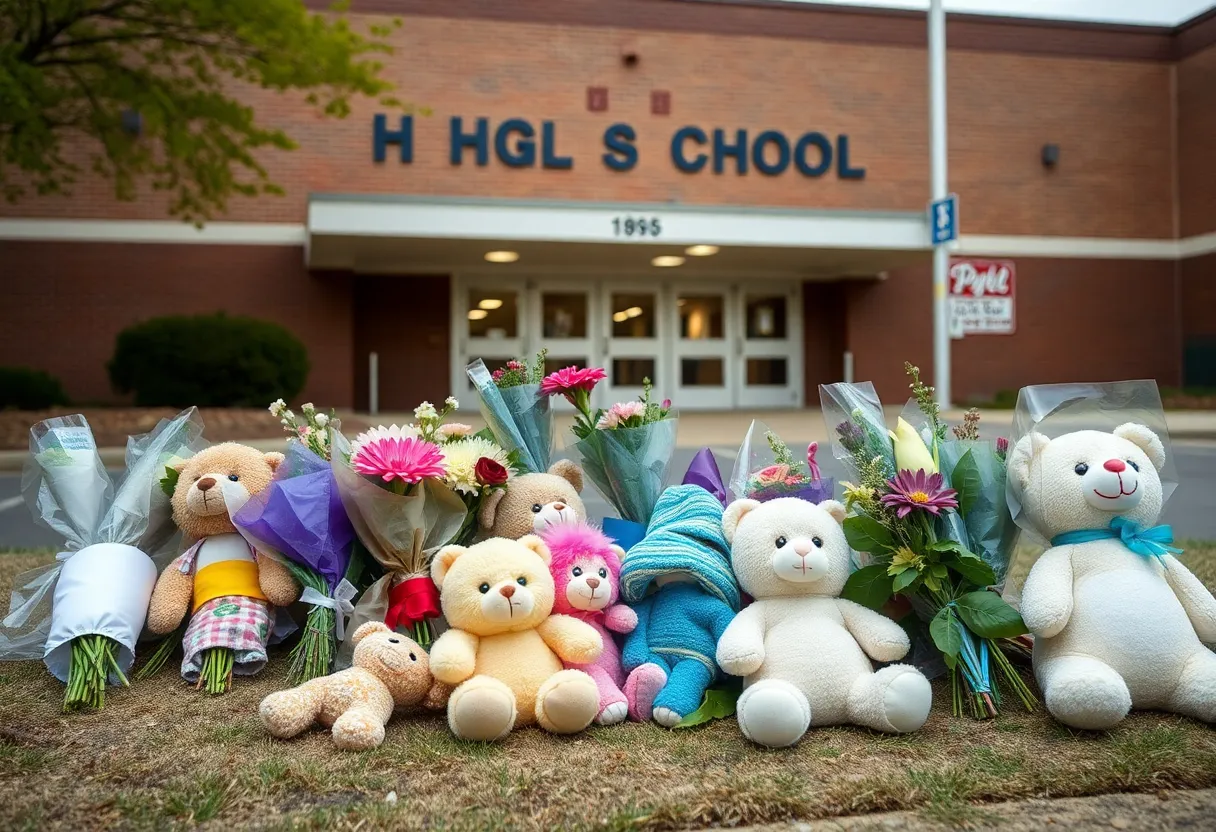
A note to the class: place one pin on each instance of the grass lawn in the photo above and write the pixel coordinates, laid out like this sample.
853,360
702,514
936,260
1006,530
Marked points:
163,755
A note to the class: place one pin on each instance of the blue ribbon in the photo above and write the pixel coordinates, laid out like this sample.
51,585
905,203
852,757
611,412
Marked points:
1150,543
976,664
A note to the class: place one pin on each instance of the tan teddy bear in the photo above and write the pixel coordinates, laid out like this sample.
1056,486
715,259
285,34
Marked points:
229,590
389,670
505,651
532,503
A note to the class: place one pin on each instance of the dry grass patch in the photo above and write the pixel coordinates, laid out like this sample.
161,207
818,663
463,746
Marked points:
162,755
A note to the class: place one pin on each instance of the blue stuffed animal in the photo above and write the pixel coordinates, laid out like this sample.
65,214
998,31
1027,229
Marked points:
679,582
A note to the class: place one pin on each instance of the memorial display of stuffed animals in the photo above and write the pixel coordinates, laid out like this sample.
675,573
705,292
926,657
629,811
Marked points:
505,651
1119,622
586,568
532,503
804,651
228,590
389,671
679,582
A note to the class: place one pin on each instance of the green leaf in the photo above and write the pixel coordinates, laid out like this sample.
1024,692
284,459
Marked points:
939,570
944,546
865,534
718,703
988,616
869,586
946,636
974,571
965,479
168,483
904,580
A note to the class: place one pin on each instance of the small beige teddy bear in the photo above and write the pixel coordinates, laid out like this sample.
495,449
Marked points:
389,670
532,503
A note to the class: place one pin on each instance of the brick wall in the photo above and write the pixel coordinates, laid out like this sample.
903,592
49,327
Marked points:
73,299
1078,320
1110,117
1197,142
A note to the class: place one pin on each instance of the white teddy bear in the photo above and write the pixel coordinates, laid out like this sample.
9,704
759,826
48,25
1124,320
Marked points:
803,649
1118,621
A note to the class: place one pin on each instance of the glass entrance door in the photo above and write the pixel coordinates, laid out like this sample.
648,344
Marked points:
711,345
770,348
705,330
492,317
634,330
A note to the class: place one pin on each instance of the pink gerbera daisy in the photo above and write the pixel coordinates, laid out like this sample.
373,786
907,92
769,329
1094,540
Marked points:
919,491
404,458
570,379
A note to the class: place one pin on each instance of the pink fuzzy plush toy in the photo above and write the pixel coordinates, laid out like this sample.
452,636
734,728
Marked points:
586,567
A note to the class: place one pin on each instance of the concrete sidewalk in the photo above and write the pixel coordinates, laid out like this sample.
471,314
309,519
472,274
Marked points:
720,429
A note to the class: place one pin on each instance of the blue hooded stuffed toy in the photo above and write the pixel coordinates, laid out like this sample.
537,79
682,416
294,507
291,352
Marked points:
679,581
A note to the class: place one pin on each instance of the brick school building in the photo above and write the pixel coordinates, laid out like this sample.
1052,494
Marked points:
726,197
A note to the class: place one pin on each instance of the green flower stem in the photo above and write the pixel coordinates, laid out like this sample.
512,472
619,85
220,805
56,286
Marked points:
92,659
313,654
160,656
216,674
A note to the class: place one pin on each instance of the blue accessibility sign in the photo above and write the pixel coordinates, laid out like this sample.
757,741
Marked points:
943,219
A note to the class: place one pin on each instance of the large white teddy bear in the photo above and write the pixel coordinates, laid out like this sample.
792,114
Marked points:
1119,623
805,652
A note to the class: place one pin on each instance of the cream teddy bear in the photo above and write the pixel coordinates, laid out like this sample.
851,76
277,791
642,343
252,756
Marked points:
531,503
1119,622
389,670
804,651
229,590
505,650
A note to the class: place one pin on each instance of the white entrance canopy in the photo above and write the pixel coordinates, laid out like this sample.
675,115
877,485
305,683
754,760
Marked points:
378,234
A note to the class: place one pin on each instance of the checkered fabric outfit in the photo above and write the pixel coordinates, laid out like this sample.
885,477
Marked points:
234,621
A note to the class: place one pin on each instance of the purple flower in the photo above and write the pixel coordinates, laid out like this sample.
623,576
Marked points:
850,435
1002,446
918,491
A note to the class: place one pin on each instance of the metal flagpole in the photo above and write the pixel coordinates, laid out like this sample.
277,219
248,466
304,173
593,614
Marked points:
937,173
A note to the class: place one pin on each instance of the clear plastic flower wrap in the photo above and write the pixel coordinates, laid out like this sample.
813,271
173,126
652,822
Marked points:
519,417
766,468
113,530
629,465
400,532
853,414
1052,410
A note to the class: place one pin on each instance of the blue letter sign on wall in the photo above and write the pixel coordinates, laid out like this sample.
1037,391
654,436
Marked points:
691,148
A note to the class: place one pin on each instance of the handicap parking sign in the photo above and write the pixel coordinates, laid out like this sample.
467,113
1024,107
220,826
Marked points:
943,219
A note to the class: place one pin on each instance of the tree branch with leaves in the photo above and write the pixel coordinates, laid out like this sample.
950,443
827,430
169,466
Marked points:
72,71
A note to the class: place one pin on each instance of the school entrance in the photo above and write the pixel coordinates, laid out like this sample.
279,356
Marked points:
708,344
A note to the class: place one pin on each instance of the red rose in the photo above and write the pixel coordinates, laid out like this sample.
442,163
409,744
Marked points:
490,472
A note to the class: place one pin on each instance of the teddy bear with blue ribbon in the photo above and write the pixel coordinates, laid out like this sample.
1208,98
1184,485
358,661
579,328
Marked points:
1119,623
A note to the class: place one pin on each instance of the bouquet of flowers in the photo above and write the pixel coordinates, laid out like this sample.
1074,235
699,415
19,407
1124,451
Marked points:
301,521
83,615
770,470
625,450
515,410
912,523
408,491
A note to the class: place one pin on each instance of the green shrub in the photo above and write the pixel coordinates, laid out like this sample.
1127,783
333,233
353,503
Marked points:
24,389
208,360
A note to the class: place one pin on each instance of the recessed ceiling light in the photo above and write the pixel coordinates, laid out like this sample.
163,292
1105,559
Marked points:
666,261
620,317
490,303
502,256
701,251
633,311
477,314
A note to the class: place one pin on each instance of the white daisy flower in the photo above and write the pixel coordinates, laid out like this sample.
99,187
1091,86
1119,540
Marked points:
460,459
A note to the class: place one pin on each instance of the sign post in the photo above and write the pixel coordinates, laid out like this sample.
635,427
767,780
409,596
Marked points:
943,219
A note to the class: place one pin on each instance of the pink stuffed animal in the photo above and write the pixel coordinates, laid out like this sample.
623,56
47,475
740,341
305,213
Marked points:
586,567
